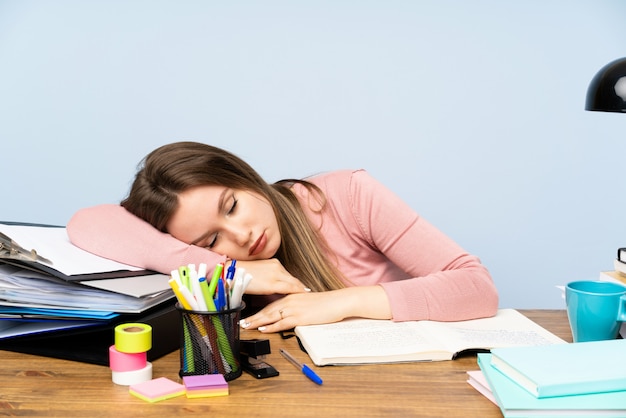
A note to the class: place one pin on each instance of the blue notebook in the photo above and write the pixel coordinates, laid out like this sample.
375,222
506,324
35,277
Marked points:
517,402
565,369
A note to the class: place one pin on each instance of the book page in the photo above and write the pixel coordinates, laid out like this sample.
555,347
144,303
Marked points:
357,341
507,328
366,338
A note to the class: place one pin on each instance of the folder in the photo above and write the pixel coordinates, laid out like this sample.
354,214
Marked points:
70,325
91,344
43,256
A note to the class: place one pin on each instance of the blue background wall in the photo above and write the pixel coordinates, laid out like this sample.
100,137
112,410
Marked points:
472,111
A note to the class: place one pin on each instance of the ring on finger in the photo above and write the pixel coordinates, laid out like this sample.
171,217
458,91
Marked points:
281,314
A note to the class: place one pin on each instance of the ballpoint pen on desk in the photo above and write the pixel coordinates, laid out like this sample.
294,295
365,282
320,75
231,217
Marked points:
302,367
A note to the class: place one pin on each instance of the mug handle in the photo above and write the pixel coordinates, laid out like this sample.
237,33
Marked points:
621,313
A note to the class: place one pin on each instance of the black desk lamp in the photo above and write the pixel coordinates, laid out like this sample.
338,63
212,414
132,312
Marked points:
607,90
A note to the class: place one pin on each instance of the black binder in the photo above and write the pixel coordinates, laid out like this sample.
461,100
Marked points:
91,344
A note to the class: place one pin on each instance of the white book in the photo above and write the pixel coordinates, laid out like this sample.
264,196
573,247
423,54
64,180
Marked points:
478,381
362,341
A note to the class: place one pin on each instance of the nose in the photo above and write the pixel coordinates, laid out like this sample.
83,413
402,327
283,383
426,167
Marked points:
239,234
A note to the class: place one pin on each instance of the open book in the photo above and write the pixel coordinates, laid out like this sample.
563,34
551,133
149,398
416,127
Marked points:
360,341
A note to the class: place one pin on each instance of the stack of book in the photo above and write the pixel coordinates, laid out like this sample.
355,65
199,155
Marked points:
620,262
558,380
617,276
47,284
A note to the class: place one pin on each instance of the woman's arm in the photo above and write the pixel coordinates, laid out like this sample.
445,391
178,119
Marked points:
439,280
112,232
445,283
321,308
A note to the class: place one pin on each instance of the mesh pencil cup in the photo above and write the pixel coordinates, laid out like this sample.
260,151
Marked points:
209,342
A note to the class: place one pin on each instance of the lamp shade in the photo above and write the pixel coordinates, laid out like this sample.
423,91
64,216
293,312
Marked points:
607,90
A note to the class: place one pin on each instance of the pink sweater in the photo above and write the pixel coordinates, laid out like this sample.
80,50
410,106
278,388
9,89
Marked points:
375,239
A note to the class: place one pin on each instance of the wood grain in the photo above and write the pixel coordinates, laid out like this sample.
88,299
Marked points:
32,386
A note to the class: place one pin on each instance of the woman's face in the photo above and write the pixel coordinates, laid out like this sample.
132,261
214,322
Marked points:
236,223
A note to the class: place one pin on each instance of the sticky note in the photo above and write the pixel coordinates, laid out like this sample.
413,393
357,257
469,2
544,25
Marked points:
206,385
156,390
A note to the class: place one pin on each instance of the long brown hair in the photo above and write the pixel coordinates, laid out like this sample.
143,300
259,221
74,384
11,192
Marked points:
171,169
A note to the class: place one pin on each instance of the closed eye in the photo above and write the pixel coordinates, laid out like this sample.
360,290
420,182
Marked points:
233,206
229,212
213,241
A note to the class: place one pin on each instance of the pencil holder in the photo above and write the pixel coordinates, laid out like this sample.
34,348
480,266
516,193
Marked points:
210,342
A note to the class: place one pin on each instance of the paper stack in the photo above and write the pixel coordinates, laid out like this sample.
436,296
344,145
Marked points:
47,284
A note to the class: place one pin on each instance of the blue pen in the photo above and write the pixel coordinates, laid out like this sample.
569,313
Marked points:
230,273
303,367
220,301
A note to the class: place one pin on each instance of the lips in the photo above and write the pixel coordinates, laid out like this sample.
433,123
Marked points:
258,246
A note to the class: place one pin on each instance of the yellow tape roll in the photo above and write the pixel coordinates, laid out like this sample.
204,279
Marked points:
133,338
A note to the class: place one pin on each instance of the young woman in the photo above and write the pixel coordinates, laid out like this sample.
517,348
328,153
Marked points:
337,245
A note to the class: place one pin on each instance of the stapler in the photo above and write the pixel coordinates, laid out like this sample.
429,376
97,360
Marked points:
252,354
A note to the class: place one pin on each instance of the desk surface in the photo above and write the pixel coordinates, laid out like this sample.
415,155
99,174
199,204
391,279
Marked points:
38,386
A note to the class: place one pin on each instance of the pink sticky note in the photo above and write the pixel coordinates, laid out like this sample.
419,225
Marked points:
157,389
204,381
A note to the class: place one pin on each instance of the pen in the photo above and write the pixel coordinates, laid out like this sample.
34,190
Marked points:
202,270
303,367
198,294
189,298
206,295
217,273
183,273
181,298
220,300
230,273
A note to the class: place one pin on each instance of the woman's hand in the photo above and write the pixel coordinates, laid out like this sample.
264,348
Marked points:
270,277
320,308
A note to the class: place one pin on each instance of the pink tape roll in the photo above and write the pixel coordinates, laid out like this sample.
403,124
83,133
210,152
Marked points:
126,362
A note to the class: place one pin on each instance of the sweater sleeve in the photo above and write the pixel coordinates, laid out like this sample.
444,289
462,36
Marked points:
110,231
444,282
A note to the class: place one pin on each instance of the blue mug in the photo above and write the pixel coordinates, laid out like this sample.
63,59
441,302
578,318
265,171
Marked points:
595,309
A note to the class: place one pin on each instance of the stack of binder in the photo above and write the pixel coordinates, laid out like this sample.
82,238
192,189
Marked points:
60,301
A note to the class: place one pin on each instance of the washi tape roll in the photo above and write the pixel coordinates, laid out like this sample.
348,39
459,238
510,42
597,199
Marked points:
133,338
125,362
132,377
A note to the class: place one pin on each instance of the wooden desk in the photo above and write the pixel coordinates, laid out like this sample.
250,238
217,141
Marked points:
38,386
